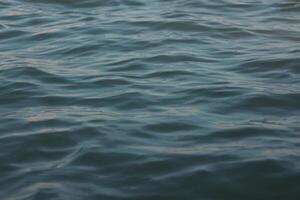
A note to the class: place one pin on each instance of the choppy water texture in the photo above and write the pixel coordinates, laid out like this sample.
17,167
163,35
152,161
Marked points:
149,100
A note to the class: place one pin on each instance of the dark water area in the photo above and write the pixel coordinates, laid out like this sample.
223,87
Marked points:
149,100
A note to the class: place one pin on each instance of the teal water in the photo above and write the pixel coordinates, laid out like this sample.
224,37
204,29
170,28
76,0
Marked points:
149,100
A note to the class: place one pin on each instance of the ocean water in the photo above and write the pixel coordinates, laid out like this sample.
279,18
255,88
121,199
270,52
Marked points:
149,100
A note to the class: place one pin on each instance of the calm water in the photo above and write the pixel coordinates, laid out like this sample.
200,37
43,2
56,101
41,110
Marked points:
149,100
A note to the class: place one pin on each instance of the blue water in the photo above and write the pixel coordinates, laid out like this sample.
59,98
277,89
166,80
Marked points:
149,100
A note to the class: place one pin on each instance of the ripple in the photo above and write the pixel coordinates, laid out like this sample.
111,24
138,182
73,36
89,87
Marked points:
9,34
260,66
170,127
274,102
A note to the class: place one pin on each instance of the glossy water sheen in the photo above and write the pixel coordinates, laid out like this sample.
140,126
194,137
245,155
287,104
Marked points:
149,99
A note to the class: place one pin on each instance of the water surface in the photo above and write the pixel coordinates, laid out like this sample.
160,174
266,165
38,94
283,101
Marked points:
156,99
